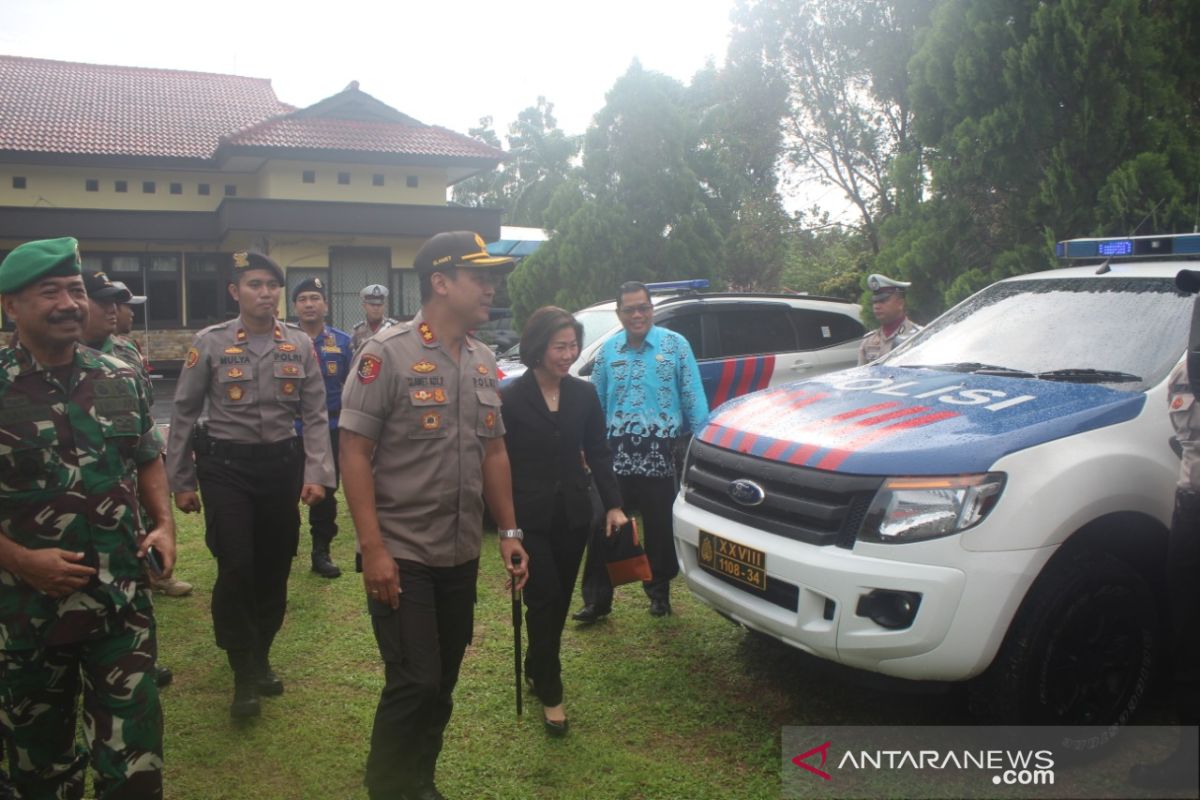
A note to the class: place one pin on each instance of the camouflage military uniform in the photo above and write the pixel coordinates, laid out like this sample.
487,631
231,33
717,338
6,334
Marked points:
127,350
362,331
68,459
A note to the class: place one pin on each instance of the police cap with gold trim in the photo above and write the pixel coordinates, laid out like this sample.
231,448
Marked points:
245,260
458,249
44,258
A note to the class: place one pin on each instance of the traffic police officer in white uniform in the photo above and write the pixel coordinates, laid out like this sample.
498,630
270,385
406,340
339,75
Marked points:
257,375
895,328
374,300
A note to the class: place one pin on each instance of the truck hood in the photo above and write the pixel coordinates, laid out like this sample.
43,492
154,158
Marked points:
891,421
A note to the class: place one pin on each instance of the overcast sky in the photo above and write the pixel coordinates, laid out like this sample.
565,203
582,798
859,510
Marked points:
445,62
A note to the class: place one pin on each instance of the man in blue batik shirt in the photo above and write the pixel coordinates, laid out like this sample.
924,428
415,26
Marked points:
650,390
334,352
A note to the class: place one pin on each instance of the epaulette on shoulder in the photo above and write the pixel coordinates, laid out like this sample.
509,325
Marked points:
393,330
291,324
215,327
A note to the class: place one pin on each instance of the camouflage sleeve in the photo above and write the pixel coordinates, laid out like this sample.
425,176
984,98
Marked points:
151,444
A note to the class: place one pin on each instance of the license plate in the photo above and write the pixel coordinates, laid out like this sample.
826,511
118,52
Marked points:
737,562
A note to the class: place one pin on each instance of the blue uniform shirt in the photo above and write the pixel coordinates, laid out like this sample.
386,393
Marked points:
334,355
650,397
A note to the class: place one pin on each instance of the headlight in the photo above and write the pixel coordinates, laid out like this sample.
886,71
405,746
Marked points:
911,509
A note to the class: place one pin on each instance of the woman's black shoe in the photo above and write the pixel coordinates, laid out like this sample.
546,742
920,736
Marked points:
556,728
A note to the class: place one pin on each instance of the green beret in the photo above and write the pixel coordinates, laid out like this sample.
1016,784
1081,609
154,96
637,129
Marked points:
45,258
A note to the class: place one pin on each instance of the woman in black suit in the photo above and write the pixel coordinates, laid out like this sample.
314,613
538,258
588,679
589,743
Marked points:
554,432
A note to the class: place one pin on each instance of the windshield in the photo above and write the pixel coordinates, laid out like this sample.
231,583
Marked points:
1131,331
596,322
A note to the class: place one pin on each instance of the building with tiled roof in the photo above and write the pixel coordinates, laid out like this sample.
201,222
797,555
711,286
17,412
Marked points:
161,174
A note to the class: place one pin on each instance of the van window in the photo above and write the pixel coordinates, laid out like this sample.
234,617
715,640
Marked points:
752,329
689,327
817,329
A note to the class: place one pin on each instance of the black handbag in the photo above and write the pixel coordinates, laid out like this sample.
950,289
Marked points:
625,558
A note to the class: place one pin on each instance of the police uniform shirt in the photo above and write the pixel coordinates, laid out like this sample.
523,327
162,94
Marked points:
69,454
875,344
334,353
430,418
362,331
1185,416
255,388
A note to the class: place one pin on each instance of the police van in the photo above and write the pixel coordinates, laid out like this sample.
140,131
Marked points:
742,341
987,503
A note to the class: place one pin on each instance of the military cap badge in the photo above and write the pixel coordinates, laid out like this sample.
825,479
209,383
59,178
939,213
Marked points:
241,260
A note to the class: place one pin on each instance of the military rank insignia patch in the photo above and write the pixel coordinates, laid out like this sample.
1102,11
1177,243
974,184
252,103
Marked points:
241,335
481,369
431,421
489,421
421,395
235,372
427,335
193,357
369,367
235,393
331,368
288,388
424,367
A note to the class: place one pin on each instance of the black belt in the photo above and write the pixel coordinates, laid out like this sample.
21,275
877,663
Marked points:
257,451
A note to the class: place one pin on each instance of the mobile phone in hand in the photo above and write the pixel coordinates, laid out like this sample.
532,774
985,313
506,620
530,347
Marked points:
153,562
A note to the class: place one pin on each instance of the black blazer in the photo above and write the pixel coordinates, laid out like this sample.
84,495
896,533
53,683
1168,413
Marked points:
544,451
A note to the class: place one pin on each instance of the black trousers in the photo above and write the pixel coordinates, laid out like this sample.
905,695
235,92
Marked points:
652,498
322,517
252,527
557,553
422,645
1183,590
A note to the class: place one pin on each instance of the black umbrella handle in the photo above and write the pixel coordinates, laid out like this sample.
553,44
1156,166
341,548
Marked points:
516,621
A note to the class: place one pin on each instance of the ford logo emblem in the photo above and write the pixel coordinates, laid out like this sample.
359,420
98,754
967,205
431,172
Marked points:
748,493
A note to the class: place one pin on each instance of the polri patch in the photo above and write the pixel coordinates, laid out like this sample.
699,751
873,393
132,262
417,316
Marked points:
369,367
289,388
193,357
235,393
431,421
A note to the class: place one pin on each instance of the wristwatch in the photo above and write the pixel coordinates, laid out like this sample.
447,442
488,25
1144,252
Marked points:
511,533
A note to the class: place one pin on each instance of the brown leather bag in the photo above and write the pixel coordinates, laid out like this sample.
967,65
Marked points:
625,558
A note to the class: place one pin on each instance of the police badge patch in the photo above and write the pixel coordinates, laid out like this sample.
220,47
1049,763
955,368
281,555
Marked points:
369,367
193,357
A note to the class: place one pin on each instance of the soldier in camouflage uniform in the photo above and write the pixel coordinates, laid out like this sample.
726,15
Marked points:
77,452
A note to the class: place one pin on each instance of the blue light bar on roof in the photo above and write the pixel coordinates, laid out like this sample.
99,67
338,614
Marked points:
1181,244
678,286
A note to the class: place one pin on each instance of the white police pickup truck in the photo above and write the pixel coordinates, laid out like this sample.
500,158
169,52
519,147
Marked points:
989,502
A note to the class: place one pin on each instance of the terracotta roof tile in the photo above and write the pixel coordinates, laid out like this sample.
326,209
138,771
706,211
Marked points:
92,109
321,133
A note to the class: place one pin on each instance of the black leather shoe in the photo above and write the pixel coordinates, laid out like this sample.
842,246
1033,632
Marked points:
589,614
660,608
268,683
245,701
163,676
556,728
323,565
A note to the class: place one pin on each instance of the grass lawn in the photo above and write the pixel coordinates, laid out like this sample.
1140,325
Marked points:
683,707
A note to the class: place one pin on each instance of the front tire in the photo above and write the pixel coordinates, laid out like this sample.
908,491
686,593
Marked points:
1081,650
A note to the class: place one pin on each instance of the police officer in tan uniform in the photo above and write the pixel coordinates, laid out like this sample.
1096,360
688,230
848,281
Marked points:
374,303
421,449
895,328
257,375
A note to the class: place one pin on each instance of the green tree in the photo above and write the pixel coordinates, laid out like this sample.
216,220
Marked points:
1044,121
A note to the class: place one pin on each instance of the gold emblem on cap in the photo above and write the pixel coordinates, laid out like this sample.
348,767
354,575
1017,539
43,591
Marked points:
241,260
479,241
